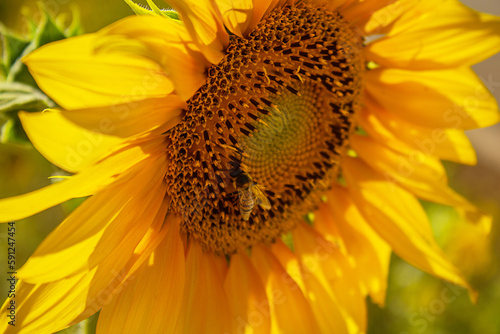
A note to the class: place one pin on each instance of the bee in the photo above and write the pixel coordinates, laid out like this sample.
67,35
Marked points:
249,194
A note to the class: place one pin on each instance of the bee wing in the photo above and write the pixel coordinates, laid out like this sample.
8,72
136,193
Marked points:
261,198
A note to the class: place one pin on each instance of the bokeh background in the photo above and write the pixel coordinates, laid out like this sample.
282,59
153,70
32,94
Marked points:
416,302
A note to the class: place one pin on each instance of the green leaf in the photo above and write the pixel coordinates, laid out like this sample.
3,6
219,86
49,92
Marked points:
287,238
138,9
87,326
13,46
171,14
18,89
12,132
47,31
15,96
154,7
3,71
153,10
75,28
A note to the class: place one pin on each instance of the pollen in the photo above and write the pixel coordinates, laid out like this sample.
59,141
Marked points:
263,138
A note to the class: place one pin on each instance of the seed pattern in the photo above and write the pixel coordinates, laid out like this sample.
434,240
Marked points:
279,107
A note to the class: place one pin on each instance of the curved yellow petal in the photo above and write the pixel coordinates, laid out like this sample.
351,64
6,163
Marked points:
203,20
398,218
469,245
289,262
120,267
320,297
75,76
205,308
128,120
236,15
166,42
403,15
112,221
421,174
247,297
151,300
86,183
241,16
73,140
405,137
359,12
262,8
50,307
389,20
47,308
437,99
66,144
451,35
290,311
339,218
332,281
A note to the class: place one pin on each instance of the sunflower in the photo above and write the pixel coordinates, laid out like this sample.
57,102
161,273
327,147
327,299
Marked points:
250,165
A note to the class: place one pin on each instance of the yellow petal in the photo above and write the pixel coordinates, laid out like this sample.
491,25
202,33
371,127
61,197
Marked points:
290,311
72,140
320,297
120,267
289,262
203,20
241,16
340,217
447,35
470,245
64,143
236,15
151,300
358,12
104,224
247,297
444,99
86,183
421,174
117,270
205,307
405,137
332,281
398,218
262,8
403,15
389,20
127,120
47,308
163,40
75,76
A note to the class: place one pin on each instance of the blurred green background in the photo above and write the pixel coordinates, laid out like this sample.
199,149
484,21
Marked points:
416,302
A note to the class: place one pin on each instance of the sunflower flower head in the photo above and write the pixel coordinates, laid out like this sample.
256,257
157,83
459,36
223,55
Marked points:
276,109
250,165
